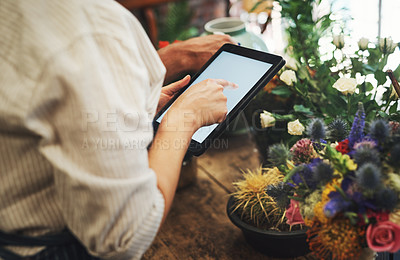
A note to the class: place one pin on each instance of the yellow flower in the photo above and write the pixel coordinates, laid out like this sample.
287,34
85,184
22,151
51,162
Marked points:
319,207
395,217
308,205
319,212
393,181
350,164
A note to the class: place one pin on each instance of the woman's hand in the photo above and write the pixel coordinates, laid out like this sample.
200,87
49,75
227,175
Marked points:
187,57
170,90
202,104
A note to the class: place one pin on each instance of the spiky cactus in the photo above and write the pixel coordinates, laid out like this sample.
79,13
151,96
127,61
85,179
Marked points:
252,201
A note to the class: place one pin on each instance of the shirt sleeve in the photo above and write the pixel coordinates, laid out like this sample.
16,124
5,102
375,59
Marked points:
93,111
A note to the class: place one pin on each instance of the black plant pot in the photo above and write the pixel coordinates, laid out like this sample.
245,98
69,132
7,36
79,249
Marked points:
278,244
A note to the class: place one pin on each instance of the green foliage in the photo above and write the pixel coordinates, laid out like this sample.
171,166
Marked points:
316,76
303,32
312,94
176,24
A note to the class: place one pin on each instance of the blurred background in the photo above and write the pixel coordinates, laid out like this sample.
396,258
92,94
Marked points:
169,20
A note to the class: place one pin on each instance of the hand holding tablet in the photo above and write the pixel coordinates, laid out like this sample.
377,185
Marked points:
231,66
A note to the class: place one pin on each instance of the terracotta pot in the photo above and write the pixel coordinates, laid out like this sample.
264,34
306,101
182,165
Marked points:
278,244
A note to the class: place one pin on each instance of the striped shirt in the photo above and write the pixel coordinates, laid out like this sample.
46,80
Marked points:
79,85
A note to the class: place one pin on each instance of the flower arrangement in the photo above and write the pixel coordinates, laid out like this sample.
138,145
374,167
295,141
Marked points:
342,184
341,175
326,76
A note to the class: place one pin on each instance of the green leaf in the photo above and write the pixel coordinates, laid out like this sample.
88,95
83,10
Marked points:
302,109
357,65
382,114
368,86
369,68
282,91
393,108
380,76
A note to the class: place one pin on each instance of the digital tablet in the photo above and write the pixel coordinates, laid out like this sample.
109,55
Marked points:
251,70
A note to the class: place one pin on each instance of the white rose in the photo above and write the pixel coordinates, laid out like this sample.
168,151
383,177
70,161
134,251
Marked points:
363,43
267,119
288,77
346,85
295,127
338,41
291,63
386,45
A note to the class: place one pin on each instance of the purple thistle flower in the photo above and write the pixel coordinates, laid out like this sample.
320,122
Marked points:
379,130
357,129
336,205
353,201
366,154
316,129
304,175
368,176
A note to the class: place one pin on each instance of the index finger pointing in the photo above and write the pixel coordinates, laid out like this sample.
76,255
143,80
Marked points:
226,84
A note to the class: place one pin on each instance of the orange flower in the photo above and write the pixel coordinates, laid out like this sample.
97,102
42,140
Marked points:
336,239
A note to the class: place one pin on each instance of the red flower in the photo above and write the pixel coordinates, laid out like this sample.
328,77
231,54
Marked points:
379,216
162,44
384,236
293,215
343,146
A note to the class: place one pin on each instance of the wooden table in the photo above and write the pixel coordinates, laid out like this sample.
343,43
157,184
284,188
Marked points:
197,226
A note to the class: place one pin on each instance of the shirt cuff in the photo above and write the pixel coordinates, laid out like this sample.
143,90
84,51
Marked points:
144,236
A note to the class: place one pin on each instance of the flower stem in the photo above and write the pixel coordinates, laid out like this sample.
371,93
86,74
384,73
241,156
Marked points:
394,81
348,104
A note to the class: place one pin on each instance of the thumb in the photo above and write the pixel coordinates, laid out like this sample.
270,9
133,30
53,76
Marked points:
176,86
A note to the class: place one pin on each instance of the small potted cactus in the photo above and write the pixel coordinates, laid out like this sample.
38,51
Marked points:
255,208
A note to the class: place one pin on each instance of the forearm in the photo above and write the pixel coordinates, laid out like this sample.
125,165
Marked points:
166,154
177,60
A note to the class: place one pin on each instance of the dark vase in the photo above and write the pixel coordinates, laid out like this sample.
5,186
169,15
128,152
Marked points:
280,244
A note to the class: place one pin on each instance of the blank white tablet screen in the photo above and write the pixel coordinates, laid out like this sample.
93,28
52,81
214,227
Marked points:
243,71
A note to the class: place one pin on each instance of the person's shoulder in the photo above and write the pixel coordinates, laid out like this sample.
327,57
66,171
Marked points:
34,31
109,17
101,17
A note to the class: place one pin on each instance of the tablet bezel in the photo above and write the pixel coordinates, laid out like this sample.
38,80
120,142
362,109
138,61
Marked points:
277,62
